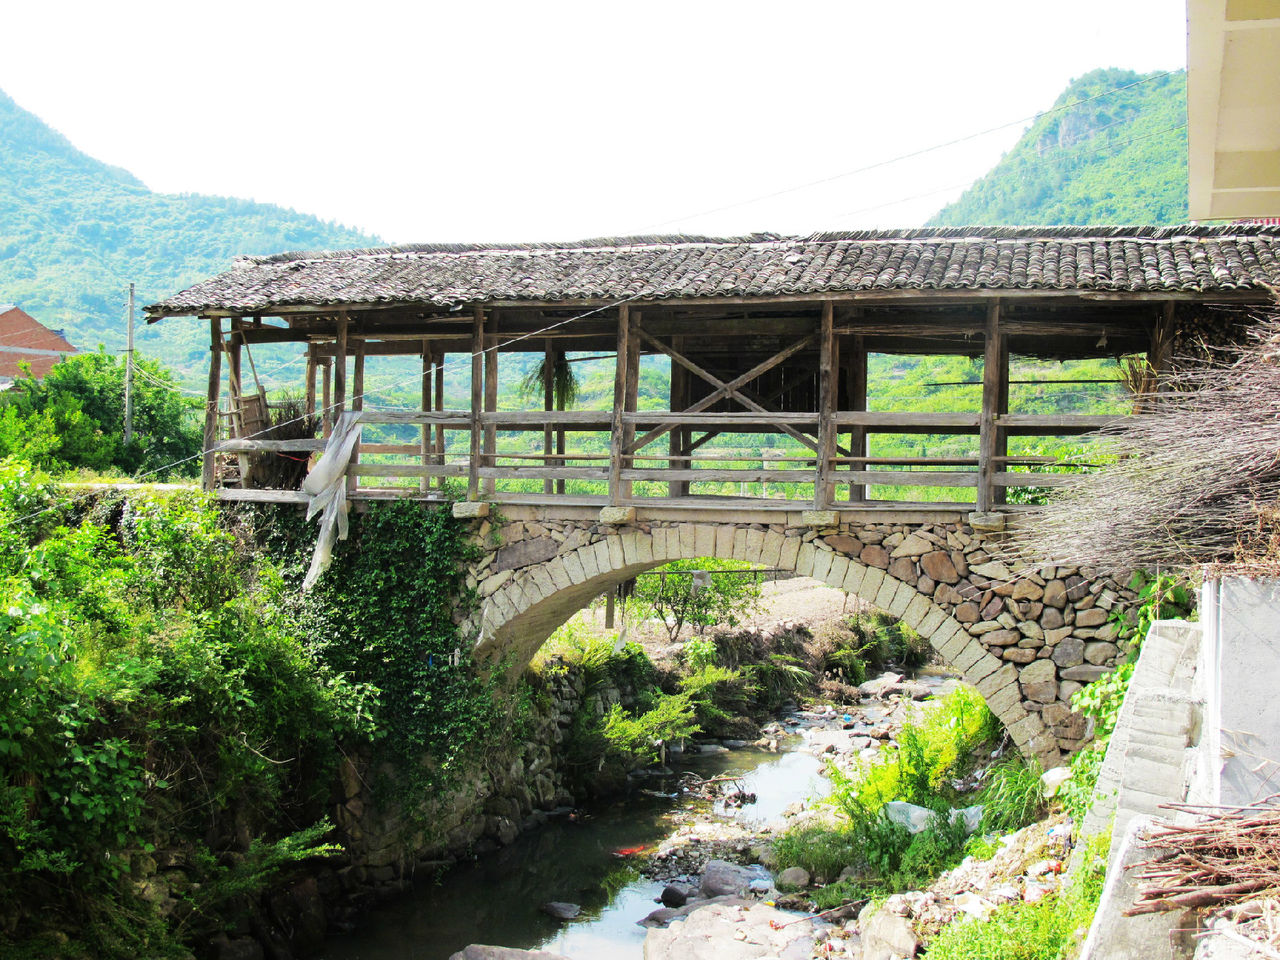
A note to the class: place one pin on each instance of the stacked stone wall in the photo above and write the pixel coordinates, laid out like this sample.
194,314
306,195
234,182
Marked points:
1027,636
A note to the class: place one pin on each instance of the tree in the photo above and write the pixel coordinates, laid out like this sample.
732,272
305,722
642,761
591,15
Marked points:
698,592
74,418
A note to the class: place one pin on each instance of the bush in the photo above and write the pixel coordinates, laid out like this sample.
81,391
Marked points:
673,594
1013,796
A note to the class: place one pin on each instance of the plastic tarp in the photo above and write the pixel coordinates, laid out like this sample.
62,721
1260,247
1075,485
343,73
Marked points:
326,485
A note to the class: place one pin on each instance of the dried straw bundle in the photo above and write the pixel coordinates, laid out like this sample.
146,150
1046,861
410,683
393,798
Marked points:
1197,482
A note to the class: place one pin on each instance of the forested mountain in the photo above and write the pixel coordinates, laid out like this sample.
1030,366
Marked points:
74,232
1116,154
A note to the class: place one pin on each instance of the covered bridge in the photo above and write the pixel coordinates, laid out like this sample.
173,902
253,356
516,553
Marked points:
769,401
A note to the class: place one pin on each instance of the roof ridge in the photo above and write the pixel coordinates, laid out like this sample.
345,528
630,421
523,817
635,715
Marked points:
1104,232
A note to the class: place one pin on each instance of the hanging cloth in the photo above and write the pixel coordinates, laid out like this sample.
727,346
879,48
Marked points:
326,486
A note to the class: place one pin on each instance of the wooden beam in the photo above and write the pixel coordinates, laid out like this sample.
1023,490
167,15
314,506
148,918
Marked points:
326,399
995,400
340,369
311,383
617,445
856,383
357,403
548,404
207,473
440,357
477,401
678,439
489,487
828,366
425,438
723,389
631,399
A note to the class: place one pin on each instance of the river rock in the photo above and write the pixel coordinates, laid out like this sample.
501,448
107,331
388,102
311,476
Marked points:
721,878
886,935
561,910
794,878
478,951
879,687
676,894
733,930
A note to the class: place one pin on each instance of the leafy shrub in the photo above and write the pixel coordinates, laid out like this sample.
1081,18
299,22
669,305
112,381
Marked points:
673,594
639,738
699,653
1013,796
1079,792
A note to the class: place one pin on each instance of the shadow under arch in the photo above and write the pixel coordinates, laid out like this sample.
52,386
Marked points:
518,617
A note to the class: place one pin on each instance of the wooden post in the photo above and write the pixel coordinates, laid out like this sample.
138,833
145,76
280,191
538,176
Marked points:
995,401
828,363
477,401
357,403
235,383
856,374
608,607
210,441
678,439
631,399
326,399
340,368
440,355
617,440
548,404
490,485
311,382
425,442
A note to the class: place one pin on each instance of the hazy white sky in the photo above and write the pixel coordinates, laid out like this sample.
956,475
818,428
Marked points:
559,120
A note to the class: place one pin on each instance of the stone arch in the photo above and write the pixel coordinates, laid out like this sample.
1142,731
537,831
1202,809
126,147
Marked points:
517,617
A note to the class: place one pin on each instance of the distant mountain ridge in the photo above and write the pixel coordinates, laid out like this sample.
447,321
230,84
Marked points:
1117,154
75,231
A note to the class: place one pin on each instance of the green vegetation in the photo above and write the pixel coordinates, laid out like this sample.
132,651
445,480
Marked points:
166,689
1050,929
73,419
74,232
698,593
1115,156
884,856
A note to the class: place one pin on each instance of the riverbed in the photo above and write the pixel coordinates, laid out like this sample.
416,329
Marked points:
497,899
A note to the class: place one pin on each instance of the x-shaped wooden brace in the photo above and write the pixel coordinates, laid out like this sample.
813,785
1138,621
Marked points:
732,388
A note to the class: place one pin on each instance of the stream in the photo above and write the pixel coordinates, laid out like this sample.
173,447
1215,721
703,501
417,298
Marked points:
497,899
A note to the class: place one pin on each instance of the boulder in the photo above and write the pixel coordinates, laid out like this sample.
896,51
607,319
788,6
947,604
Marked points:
561,910
478,951
885,935
880,686
793,878
676,894
1055,594
720,878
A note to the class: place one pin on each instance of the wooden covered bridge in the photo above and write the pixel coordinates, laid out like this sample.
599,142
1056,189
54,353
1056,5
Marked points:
767,341
753,414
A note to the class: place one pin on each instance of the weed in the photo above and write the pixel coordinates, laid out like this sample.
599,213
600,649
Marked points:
1013,796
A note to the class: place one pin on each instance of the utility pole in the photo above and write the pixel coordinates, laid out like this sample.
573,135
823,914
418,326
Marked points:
128,377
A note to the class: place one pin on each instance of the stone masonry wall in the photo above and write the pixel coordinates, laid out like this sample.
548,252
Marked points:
1027,637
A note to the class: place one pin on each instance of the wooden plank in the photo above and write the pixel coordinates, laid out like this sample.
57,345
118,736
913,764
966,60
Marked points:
753,419
913,478
398,449
455,419
477,400
261,496
883,421
756,475
1049,422
914,461
409,470
269,446
212,394
517,472
617,447
506,419
1036,479
828,364
995,376
490,401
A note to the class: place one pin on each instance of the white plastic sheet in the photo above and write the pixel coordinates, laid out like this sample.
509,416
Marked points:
326,485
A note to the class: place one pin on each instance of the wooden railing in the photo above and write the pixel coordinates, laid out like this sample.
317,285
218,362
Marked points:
515,460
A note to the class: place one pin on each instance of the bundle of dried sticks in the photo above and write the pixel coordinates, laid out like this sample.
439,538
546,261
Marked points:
1233,853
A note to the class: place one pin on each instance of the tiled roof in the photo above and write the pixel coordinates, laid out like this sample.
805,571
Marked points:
23,339
1134,259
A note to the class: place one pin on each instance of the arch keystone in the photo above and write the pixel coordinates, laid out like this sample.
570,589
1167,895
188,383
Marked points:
559,575
573,567
704,540
790,553
771,552
724,541
604,559
616,560
587,556
740,544
804,560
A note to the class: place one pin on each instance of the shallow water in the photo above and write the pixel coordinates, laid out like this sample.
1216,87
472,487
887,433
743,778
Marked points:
497,899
